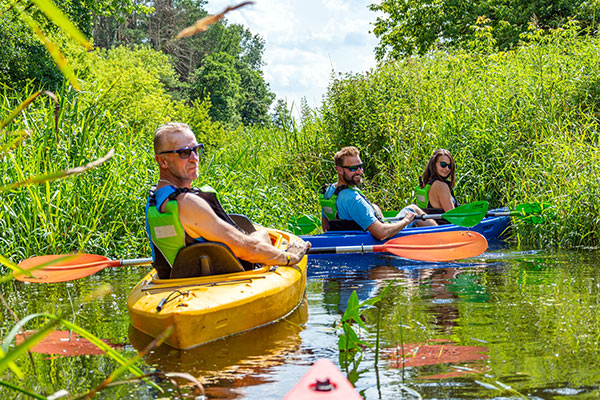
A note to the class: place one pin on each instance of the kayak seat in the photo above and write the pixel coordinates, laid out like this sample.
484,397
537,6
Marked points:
243,222
203,259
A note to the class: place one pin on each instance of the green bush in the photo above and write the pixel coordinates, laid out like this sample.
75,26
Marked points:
134,79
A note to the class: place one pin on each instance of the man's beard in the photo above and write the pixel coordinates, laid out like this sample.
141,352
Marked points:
355,180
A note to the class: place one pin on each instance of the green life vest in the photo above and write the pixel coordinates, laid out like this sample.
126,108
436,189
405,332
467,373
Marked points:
168,237
166,231
422,195
329,206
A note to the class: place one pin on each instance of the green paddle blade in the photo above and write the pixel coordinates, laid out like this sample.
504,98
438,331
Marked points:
532,213
389,214
467,215
304,224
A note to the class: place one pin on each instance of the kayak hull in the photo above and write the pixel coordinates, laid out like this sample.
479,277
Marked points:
200,310
492,228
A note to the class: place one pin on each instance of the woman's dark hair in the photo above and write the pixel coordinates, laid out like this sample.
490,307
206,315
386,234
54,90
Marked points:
431,171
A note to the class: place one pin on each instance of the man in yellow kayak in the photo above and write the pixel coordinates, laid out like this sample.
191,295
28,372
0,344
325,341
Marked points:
345,207
178,215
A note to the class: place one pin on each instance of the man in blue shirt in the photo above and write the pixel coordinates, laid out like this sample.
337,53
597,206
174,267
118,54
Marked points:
346,208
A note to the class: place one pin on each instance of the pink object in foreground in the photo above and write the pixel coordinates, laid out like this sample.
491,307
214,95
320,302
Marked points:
323,381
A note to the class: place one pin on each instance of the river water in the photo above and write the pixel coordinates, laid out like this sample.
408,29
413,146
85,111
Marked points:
508,323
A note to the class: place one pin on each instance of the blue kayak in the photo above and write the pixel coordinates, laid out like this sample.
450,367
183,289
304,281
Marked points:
492,228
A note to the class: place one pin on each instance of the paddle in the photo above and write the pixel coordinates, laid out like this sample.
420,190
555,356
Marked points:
438,246
61,268
304,224
467,215
531,212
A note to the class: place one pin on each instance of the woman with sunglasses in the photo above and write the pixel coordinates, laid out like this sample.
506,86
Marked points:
435,193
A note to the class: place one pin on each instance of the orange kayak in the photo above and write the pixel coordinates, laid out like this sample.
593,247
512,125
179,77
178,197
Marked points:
323,381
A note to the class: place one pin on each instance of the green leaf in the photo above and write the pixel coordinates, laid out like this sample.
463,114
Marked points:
20,389
352,307
14,368
342,342
5,261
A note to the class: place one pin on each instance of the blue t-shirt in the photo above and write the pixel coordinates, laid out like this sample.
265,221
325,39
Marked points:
351,205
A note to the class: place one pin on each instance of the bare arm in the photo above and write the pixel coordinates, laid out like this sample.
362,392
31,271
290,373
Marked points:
198,219
383,231
440,196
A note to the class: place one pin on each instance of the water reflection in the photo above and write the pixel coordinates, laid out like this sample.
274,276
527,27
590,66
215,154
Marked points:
438,284
532,316
228,365
436,352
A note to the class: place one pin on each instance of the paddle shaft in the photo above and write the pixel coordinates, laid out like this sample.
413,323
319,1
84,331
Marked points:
344,249
441,216
513,213
422,217
135,261
107,264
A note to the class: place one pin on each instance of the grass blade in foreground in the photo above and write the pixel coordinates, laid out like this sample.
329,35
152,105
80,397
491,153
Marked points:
438,246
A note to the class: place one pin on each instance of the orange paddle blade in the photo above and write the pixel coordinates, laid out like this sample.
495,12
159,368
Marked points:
438,246
60,268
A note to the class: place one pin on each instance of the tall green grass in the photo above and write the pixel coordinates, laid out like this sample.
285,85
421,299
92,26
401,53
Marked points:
522,126
255,170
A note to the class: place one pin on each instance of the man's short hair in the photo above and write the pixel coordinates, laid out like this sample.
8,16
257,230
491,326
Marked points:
349,151
163,130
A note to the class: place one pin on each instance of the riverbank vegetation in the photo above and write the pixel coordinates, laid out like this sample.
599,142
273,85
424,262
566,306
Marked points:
522,125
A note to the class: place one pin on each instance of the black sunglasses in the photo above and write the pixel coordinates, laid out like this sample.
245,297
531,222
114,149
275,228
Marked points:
186,152
353,168
445,165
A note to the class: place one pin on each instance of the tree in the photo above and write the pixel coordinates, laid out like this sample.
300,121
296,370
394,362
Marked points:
255,97
417,26
218,80
241,97
23,56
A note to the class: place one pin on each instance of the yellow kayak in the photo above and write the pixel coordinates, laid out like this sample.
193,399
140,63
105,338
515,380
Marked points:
207,308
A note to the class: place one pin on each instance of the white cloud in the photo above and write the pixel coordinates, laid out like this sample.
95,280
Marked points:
305,40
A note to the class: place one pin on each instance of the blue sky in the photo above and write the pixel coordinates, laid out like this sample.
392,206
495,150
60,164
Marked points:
306,40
